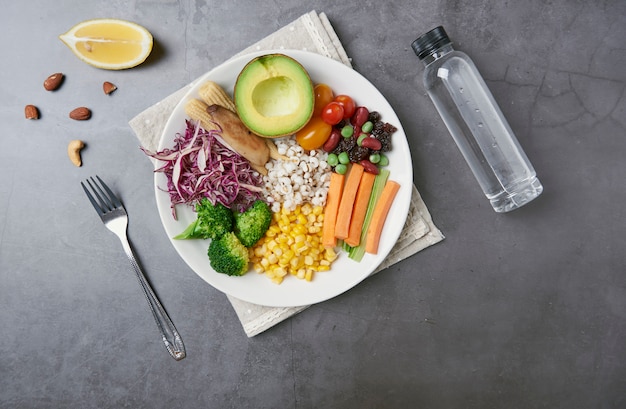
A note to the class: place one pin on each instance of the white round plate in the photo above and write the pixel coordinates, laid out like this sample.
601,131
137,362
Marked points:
344,273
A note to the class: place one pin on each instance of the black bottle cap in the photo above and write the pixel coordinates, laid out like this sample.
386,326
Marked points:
430,41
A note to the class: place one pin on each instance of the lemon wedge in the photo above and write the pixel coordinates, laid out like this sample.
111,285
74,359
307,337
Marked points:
110,44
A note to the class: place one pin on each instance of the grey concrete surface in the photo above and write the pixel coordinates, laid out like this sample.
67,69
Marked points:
523,310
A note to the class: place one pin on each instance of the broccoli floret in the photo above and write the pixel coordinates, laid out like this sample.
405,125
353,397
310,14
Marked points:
228,256
212,222
252,224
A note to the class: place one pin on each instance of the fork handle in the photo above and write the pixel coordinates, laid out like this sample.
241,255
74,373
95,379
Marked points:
171,338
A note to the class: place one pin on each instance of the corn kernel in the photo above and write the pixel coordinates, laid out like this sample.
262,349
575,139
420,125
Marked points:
302,219
292,245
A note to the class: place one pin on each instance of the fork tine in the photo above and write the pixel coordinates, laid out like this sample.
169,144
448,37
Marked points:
95,204
105,203
114,199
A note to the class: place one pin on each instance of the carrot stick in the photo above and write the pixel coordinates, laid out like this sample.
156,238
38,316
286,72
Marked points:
360,209
333,199
344,214
380,214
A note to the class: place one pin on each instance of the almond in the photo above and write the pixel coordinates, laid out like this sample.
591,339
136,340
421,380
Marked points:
53,82
108,87
80,114
31,112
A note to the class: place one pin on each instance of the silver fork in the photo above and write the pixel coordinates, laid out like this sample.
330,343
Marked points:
114,216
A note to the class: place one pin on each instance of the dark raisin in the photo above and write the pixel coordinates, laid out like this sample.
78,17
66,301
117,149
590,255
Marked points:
358,153
345,145
374,117
382,132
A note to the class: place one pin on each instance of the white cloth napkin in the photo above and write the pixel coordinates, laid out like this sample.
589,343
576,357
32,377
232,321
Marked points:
311,32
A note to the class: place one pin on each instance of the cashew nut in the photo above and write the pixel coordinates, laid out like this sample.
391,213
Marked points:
73,151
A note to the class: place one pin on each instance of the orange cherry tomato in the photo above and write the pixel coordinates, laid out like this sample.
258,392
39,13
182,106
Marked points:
323,95
314,134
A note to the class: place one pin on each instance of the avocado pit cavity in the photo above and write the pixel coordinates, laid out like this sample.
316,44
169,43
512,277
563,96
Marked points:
275,97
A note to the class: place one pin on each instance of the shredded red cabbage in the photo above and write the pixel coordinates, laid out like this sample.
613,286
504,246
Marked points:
201,165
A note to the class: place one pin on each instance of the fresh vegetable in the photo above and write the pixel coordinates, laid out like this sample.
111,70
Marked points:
346,205
252,224
348,105
332,159
360,209
228,256
212,93
274,95
357,253
212,222
314,134
333,200
341,168
200,165
293,245
383,160
347,131
332,113
323,95
379,216
344,158
363,136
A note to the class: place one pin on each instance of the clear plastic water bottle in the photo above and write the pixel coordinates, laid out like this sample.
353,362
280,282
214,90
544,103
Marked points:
476,123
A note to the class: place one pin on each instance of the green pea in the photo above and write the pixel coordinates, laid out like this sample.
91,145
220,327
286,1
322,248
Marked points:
341,169
332,159
375,158
347,131
367,127
359,140
384,161
344,158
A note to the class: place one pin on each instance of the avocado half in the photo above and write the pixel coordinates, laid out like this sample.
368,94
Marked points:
274,96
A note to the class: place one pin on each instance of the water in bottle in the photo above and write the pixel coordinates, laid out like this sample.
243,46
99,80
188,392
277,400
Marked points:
476,123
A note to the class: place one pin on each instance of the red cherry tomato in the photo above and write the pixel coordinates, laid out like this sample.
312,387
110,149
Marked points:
314,134
348,105
323,95
332,113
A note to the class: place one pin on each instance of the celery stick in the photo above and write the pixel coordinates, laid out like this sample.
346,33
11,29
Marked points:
356,253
